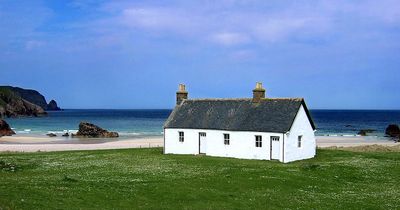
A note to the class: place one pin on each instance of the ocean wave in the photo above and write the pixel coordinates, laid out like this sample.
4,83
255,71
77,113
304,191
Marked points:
140,133
130,133
25,131
59,132
63,131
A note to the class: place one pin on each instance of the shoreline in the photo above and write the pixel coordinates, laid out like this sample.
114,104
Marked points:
350,141
43,143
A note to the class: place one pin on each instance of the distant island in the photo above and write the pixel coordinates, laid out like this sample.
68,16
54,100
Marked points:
16,101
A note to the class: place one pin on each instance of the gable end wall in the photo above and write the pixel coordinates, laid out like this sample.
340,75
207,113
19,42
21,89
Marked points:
301,126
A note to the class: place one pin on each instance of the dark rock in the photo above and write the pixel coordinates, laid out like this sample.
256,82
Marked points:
5,129
348,126
52,106
393,130
90,130
2,112
65,134
51,135
364,132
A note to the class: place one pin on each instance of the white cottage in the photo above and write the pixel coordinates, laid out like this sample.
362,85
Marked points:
249,128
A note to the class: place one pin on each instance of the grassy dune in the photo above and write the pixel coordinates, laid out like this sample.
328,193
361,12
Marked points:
144,178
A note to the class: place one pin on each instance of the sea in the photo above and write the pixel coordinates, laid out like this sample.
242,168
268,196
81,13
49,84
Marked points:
149,122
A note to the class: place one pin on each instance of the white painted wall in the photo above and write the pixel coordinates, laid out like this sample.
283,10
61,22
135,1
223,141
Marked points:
173,146
242,143
301,126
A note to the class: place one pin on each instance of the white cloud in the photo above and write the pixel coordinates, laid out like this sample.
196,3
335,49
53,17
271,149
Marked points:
152,18
230,38
243,23
161,19
384,11
224,28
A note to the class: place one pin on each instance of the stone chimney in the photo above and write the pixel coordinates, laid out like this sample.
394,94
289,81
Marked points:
181,94
258,93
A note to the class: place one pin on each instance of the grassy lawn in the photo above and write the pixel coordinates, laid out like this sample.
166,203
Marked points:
144,178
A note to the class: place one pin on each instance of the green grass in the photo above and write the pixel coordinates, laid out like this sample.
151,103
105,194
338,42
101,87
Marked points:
144,178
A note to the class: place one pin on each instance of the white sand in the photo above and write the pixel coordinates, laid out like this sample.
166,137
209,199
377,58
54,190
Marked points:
34,144
345,141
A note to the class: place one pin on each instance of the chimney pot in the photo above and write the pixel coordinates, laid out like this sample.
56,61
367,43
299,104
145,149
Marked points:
182,87
258,85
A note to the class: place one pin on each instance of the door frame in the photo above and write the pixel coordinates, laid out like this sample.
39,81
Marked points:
200,143
270,152
270,148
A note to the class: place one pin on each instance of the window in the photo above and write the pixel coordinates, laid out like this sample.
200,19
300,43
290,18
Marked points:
299,141
181,136
274,138
258,141
226,139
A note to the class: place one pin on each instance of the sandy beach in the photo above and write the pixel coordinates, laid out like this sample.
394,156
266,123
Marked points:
352,141
35,144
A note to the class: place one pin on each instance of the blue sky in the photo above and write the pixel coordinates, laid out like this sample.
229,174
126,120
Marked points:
133,54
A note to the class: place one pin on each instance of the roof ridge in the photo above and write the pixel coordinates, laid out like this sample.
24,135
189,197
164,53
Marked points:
216,99
240,99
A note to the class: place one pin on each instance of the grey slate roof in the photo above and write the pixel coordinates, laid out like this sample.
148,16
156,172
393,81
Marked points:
269,115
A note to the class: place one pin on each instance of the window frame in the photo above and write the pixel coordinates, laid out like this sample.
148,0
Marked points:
258,141
181,137
275,138
300,141
227,141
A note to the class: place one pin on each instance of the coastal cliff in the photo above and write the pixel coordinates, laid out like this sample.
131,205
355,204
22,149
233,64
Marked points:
15,101
33,97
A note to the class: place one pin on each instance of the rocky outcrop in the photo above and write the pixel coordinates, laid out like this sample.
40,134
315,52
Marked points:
52,106
90,130
365,132
13,105
2,112
32,96
15,101
393,130
51,135
5,129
